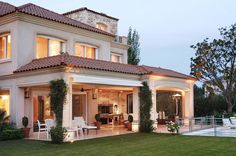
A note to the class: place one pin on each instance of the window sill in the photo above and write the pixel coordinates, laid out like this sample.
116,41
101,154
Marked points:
5,61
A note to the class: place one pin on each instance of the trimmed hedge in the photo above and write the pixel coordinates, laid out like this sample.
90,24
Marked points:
10,134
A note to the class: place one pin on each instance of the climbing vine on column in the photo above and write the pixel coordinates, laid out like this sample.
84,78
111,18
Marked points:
58,98
145,100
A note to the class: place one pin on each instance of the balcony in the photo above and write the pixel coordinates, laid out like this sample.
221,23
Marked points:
121,39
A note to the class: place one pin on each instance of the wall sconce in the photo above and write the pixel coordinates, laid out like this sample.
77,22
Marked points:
27,93
94,96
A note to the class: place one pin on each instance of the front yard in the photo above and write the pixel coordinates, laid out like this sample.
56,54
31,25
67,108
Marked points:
126,145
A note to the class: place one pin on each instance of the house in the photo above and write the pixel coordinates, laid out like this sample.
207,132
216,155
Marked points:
93,64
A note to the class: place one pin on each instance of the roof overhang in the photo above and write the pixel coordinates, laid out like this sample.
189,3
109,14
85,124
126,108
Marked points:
106,80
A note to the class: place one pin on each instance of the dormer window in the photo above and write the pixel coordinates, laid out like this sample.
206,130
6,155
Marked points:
101,26
49,46
5,46
86,50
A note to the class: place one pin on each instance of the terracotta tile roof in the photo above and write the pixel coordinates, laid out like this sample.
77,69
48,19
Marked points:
6,8
66,60
79,62
34,10
85,8
166,72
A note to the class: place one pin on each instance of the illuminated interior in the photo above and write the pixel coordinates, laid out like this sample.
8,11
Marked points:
116,58
5,101
83,50
48,47
41,47
101,26
42,108
5,46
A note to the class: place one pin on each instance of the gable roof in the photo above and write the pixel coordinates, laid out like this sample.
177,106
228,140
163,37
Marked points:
66,60
95,12
34,10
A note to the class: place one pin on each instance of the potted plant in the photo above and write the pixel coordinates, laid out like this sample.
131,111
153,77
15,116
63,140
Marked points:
98,122
129,125
172,127
25,130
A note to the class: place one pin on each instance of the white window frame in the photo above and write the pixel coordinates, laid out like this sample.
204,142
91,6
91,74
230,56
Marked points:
4,35
119,55
63,43
85,49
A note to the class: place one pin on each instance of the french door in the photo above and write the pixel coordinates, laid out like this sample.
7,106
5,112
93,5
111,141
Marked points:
79,105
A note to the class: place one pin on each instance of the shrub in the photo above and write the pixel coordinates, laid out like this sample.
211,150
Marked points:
10,134
4,119
58,134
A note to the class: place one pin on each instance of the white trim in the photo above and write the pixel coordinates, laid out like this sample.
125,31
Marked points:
51,38
106,80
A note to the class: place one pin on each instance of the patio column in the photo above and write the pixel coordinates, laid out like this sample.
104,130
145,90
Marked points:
18,101
135,124
188,105
153,111
67,109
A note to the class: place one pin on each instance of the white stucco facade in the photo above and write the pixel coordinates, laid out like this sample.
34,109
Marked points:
24,30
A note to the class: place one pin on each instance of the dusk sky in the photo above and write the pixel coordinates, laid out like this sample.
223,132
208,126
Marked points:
167,27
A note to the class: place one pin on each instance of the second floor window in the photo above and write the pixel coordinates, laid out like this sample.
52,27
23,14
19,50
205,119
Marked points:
85,50
48,46
116,58
5,46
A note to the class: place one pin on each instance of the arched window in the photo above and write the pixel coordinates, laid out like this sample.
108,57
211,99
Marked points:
101,26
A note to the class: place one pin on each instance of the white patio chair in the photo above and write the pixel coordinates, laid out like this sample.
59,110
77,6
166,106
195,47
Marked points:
233,120
82,124
76,128
227,123
42,128
49,124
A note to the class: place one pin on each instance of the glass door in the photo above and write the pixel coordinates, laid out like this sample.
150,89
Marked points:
41,109
79,106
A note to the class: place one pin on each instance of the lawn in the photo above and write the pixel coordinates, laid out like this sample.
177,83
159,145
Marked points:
126,145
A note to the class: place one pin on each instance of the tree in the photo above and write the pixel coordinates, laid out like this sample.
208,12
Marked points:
145,98
214,64
206,105
134,49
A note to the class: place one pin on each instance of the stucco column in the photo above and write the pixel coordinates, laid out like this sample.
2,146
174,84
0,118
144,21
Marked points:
135,124
67,109
188,105
153,111
18,102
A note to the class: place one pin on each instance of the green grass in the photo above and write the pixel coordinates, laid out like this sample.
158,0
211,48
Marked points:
126,145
